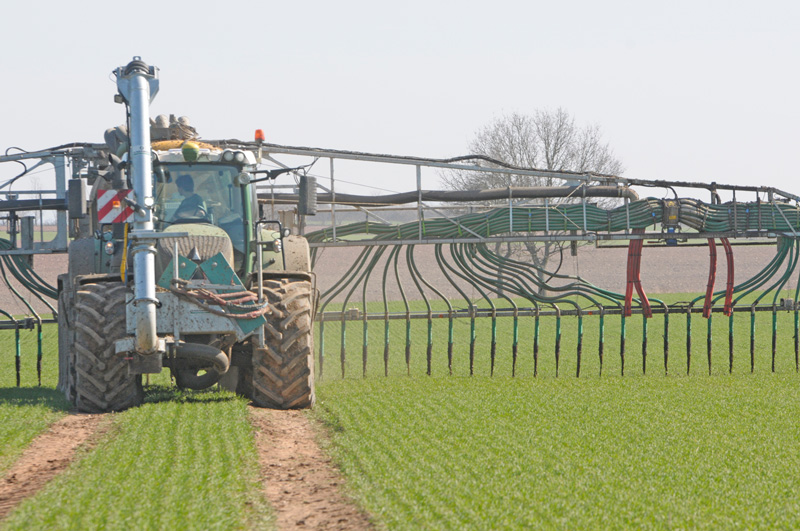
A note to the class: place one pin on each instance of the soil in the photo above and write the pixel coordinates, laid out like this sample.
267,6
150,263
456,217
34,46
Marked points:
48,455
300,482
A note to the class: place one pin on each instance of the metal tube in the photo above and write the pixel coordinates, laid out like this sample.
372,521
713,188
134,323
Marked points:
472,338
419,199
709,345
796,338
730,343
333,204
580,345
774,336
138,84
515,344
429,353
536,344
666,341
450,341
602,334
493,349
627,216
386,345
752,339
583,204
321,349
558,338
17,358
39,352
510,211
342,346
644,343
408,344
622,345
546,215
364,347
688,340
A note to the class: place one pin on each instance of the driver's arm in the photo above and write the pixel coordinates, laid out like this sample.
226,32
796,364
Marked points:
198,210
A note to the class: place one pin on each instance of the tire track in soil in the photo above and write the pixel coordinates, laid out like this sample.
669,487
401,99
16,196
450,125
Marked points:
48,455
299,480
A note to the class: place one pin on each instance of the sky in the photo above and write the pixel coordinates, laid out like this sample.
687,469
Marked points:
684,90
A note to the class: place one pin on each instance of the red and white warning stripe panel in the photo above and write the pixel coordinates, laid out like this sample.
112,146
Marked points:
112,208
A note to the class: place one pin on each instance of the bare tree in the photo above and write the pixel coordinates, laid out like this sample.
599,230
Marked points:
548,140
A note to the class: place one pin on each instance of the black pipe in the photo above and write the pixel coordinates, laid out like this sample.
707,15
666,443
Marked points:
709,339
536,346
774,337
492,357
450,357
730,345
364,361
211,359
429,357
601,345
458,196
514,359
472,351
666,341
386,359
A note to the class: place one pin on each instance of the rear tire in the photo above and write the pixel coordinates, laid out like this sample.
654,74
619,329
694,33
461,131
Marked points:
283,371
66,354
102,382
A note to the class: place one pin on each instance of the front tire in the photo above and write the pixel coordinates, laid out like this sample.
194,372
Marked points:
283,371
102,382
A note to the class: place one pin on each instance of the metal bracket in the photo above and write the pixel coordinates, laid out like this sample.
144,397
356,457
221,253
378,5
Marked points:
128,344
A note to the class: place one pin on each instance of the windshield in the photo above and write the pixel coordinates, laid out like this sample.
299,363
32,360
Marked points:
200,193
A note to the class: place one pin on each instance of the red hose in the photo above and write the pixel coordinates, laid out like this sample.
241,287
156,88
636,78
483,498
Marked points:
629,278
637,281
729,288
634,277
712,276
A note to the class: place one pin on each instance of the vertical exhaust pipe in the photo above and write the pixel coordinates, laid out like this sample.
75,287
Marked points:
138,84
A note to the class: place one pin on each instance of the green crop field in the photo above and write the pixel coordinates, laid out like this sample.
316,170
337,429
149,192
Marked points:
618,453
177,462
27,410
454,452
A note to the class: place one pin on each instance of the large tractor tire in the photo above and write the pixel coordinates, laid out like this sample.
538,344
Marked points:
102,382
66,352
283,371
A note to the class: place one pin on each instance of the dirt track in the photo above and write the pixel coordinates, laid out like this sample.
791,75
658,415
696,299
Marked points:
300,482
48,455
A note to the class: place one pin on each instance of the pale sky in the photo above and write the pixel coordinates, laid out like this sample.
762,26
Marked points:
688,90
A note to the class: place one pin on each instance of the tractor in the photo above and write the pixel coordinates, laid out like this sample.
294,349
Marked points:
172,265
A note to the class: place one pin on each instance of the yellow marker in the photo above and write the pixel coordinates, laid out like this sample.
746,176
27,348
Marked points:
124,265
190,151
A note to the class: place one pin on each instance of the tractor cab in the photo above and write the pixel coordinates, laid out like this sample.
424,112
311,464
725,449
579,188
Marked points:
208,191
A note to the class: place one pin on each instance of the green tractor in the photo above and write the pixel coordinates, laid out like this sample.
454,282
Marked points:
173,266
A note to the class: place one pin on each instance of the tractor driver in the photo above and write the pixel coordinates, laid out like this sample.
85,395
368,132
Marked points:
193,206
